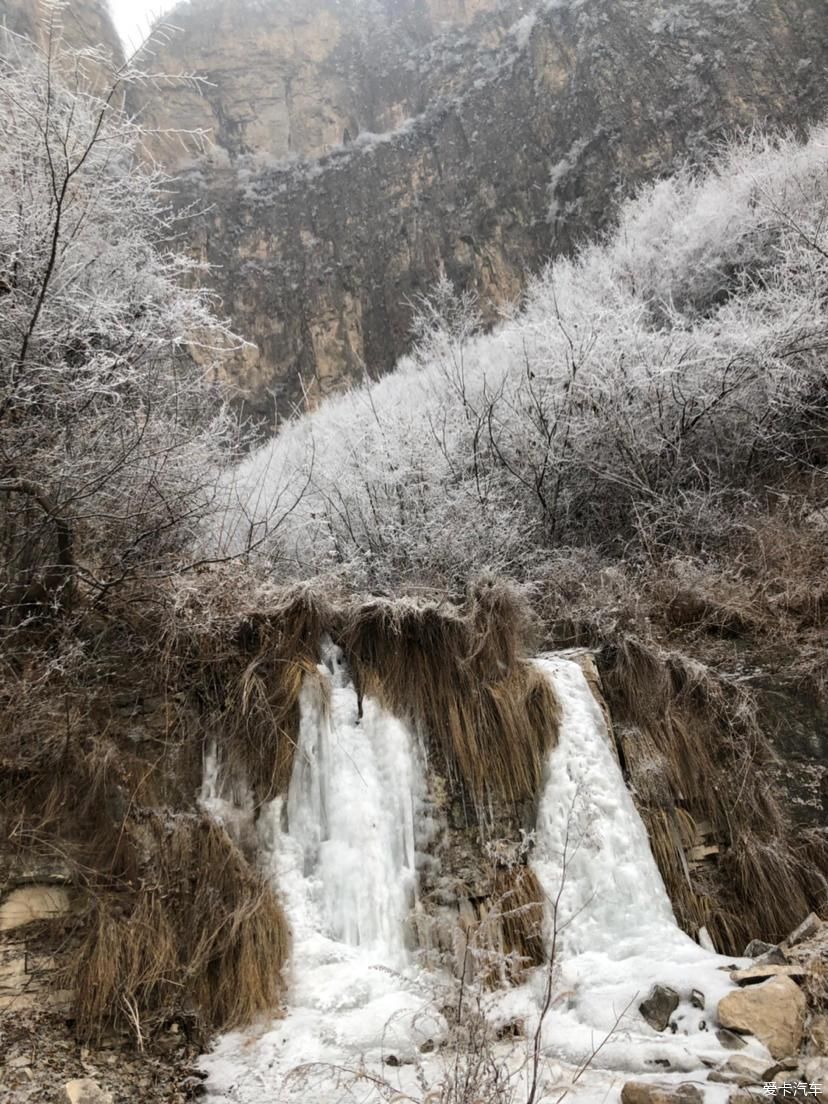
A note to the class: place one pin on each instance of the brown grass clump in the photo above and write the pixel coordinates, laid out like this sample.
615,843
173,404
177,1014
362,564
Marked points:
496,938
185,929
519,907
244,658
100,765
461,675
695,755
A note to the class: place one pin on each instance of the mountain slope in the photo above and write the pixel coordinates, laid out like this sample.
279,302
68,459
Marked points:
501,148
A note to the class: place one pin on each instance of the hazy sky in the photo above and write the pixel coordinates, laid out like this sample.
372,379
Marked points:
133,18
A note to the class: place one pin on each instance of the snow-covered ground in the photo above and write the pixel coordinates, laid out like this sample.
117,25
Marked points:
363,1018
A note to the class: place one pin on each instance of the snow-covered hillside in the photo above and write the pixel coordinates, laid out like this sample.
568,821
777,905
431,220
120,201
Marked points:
645,394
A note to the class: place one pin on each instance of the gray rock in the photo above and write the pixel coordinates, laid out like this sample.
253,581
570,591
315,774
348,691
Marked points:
758,947
774,957
659,1006
741,1070
809,926
728,1077
730,1040
785,1068
747,1066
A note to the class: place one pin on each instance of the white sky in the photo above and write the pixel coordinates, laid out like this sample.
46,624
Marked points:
133,18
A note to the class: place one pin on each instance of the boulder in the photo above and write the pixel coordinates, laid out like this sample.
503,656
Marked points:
659,1006
86,1091
653,1092
728,1077
773,1011
741,1070
730,1040
782,1070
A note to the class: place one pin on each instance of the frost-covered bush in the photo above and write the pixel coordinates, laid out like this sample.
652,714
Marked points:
692,241
108,436
647,391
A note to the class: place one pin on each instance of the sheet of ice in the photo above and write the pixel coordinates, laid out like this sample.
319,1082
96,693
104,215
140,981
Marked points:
350,813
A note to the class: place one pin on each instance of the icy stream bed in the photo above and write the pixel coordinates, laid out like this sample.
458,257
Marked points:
363,1019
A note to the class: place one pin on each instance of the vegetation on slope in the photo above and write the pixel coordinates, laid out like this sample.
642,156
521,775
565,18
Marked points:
660,394
111,440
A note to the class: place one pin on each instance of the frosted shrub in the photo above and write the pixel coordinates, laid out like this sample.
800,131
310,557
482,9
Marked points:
647,390
689,242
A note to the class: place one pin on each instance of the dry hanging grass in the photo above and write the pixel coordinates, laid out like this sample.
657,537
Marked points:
496,938
462,676
517,911
100,794
243,657
694,752
184,929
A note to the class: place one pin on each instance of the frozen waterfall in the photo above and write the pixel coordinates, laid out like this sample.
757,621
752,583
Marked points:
350,814
616,933
342,849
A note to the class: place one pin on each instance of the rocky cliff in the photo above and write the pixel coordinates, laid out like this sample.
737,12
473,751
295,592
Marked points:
79,23
363,148
282,80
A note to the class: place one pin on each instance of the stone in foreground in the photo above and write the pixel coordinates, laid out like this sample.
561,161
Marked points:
659,1006
652,1092
741,1070
756,973
86,1091
773,1011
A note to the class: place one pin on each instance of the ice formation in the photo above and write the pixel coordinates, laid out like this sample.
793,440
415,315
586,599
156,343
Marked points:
342,848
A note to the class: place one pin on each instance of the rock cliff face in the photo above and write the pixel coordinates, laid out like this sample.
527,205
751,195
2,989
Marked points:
81,23
362,148
285,80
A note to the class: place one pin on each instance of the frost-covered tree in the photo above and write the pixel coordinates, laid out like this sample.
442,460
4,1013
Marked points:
110,428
